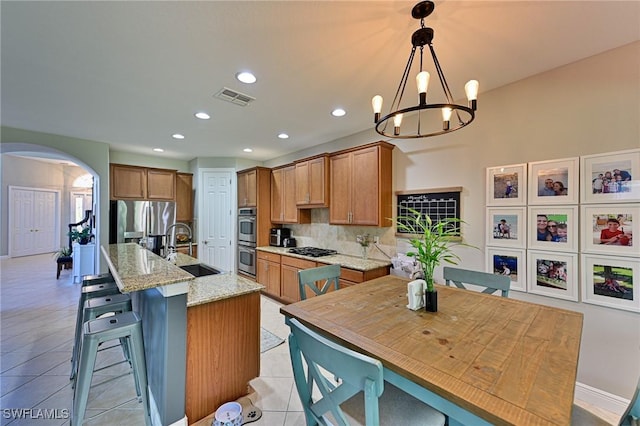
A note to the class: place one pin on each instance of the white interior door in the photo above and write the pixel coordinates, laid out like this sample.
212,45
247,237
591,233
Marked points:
33,219
216,230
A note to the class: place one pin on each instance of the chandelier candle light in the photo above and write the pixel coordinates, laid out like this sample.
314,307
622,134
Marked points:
462,114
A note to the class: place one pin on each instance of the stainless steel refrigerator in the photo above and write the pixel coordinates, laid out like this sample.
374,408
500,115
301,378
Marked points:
144,222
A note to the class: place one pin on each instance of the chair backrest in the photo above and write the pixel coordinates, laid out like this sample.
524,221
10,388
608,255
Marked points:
631,417
357,372
308,277
492,282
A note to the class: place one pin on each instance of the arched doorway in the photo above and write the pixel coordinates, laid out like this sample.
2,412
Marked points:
37,151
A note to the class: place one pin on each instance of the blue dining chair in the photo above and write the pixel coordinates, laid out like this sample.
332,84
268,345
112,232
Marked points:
631,417
492,282
308,277
361,395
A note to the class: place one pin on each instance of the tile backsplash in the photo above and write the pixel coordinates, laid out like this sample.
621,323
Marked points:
319,233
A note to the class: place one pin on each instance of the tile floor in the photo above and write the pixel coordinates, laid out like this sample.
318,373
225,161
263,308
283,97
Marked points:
37,317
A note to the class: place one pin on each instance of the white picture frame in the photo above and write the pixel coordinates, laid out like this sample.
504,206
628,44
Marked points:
624,189
508,261
507,185
613,289
506,227
562,172
553,274
563,237
599,228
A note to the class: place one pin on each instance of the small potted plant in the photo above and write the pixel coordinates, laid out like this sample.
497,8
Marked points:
62,252
433,243
364,241
82,236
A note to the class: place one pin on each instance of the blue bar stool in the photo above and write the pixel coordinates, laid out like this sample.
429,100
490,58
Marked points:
126,326
91,288
97,279
93,308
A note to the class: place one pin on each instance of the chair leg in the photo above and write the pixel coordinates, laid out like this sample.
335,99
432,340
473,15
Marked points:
87,361
58,273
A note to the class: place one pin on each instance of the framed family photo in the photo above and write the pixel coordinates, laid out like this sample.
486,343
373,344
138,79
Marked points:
611,281
554,228
611,177
506,227
554,182
610,228
512,262
553,274
507,185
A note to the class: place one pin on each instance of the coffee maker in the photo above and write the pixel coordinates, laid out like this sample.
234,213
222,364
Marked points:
278,235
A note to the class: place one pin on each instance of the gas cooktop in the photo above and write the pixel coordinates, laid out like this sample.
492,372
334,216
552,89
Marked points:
312,251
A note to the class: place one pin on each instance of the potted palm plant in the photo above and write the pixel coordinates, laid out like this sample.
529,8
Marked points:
433,243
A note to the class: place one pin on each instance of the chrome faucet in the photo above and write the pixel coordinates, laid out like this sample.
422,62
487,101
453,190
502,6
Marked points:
171,245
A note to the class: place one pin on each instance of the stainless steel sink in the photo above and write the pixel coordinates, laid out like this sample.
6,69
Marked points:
200,270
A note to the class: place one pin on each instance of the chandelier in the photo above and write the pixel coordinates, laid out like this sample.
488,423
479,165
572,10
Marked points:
454,116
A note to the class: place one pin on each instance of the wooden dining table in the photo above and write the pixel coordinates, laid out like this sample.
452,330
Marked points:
481,359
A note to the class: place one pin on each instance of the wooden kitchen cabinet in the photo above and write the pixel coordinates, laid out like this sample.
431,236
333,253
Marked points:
161,184
349,277
268,272
141,183
283,197
184,197
289,287
360,185
254,190
247,188
312,182
128,182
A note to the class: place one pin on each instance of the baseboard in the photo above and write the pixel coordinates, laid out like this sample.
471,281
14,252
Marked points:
601,399
155,413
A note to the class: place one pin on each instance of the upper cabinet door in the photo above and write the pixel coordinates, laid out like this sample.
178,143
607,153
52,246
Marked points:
277,195
128,182
184,197
161,184
340,210
312,182
361,186
247,189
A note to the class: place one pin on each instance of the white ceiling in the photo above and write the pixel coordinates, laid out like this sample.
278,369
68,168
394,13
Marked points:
133,73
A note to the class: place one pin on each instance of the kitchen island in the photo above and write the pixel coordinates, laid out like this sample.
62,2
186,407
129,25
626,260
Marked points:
201,334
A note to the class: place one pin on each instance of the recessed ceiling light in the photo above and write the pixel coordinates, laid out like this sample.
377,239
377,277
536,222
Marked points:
202,115
283,136
177,136
338,112
247,150
246,77
158,149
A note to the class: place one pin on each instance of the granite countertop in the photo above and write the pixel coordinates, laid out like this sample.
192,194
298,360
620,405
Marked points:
136,268
351,262
215,287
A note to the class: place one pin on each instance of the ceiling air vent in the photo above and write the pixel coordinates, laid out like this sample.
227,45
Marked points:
234,97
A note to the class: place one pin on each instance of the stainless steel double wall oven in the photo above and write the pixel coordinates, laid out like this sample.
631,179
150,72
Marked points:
247,237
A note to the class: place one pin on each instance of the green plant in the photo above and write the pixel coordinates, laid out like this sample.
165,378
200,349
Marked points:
433,241
82,234
62,252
